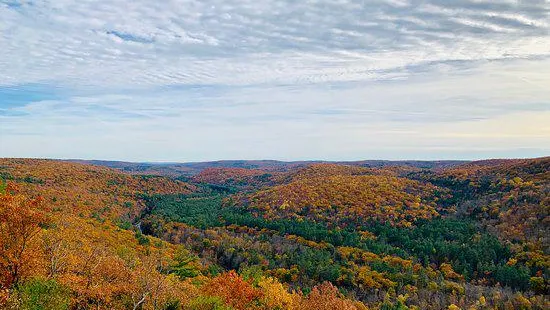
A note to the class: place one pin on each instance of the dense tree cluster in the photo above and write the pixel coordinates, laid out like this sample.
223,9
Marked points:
509,198
235,177
343,198
85,189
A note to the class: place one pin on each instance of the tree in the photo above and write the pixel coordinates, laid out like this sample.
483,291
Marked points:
327,297
275,295
184,264
20,221
234,290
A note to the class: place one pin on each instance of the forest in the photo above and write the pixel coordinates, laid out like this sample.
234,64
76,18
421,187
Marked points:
266,235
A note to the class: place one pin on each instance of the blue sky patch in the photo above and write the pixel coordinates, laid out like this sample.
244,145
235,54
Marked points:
130,37
21,95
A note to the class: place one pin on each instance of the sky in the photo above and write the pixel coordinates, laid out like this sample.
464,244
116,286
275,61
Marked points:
186,80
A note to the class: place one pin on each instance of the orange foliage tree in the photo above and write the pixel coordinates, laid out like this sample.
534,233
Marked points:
234,290
20,221
327,297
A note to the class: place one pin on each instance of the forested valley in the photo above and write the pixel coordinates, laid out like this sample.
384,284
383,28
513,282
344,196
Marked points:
465,235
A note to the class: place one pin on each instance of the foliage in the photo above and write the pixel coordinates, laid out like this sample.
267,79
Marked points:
196,209
339,199
38,294
233,178
207,303
184,265
234,290
327,297
20,222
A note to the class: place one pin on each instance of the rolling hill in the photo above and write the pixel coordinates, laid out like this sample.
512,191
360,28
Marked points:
272,235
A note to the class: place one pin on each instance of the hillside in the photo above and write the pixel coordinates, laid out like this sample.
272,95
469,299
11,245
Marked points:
87,189
306,236
236,178
510,195
343,199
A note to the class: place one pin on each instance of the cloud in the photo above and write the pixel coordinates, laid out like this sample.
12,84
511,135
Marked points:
144,43
266,78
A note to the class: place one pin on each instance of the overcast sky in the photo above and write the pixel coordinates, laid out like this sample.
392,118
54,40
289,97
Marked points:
253,79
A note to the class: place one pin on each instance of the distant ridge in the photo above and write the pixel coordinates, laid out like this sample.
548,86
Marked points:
192,168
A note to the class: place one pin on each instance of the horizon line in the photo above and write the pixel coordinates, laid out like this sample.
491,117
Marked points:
277,160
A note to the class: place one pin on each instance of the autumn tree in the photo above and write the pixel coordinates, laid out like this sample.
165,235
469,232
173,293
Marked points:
275,296
234,290
327,297
21,220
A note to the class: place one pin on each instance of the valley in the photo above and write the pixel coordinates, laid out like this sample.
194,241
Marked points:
275,235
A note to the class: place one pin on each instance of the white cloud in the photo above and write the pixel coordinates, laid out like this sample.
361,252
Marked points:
148,43
191,80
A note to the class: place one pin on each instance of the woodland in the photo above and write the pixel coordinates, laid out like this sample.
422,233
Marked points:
272,235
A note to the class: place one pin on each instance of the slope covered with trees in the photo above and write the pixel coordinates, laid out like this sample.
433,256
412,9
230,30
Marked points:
235,178
321,236
344,195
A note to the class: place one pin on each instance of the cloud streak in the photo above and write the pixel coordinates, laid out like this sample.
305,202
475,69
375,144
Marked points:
265,72
144,43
